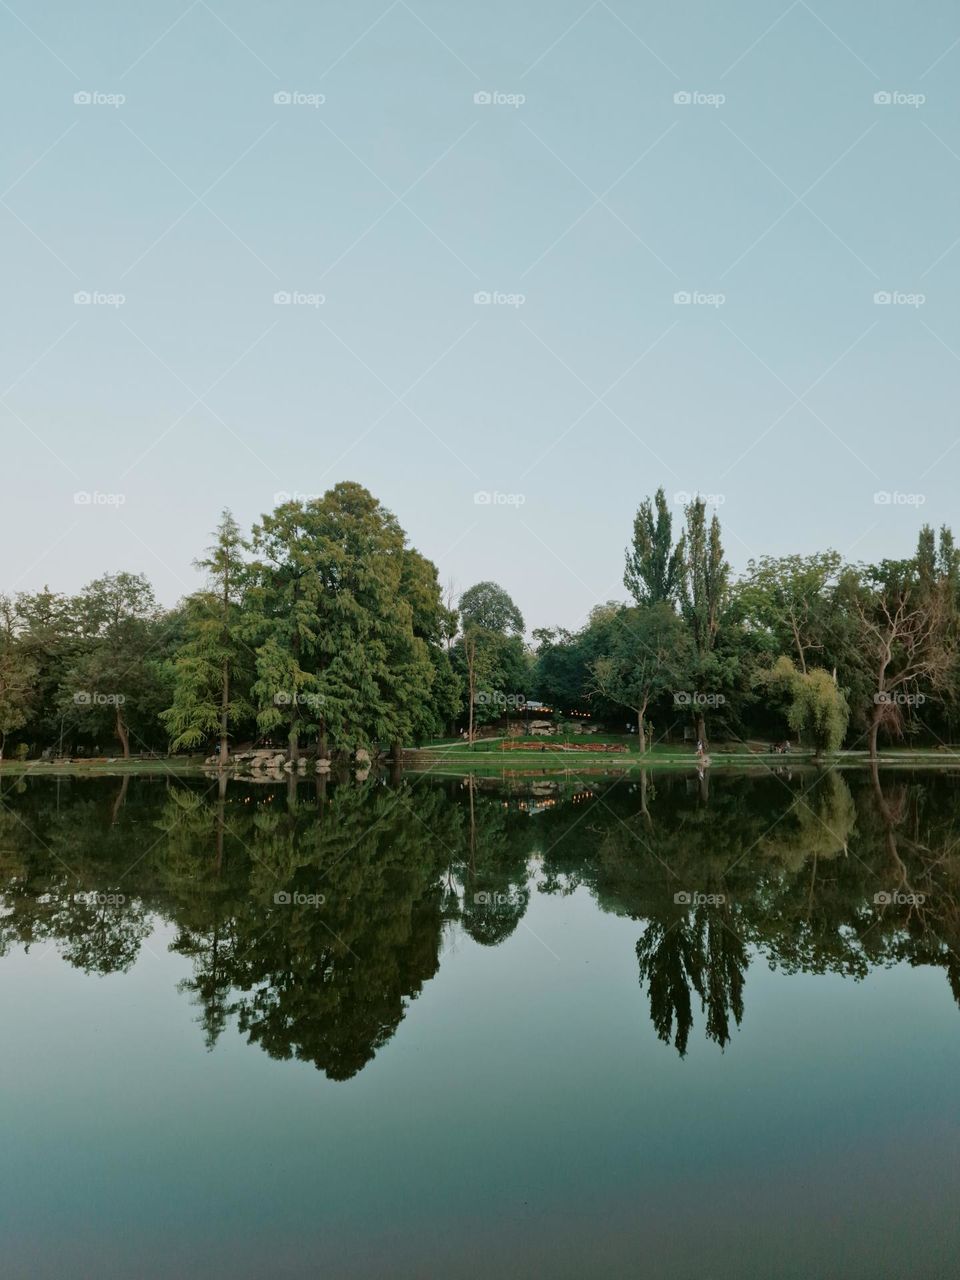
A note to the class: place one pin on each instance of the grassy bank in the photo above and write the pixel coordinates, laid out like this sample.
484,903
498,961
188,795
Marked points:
487,757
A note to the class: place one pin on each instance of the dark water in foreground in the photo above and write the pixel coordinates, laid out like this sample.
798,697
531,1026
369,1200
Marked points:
438,1030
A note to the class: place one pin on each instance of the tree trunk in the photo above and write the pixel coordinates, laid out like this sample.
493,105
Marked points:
702,729
123,735
224,705
471,688
874,731
640,730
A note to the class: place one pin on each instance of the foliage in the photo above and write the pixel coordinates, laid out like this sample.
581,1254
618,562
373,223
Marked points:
814,703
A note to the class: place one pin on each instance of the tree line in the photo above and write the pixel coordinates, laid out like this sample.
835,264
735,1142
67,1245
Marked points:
323,630
833,653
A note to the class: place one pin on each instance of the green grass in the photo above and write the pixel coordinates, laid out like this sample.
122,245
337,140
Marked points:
75,768
451,756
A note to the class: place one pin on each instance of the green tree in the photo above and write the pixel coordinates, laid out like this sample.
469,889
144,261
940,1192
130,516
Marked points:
649,647
704,588
116,680
654,567
342,618
18,676
814,703
789,598
208,695
488,606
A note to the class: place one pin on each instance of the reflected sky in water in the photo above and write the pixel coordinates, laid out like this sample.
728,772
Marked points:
509,1027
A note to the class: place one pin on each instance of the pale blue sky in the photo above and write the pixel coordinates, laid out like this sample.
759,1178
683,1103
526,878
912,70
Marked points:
398,198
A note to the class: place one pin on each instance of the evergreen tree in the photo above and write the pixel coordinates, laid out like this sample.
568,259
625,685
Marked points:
212,667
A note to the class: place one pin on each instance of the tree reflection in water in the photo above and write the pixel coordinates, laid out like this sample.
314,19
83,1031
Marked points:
313,914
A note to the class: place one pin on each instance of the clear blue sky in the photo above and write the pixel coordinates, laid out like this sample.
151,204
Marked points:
398,198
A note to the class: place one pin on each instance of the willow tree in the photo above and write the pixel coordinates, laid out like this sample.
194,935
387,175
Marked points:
814,703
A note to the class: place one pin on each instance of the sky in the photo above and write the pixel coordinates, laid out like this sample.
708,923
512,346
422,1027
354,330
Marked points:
510,266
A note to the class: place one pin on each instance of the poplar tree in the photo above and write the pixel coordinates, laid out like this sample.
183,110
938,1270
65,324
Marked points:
703,592
654,567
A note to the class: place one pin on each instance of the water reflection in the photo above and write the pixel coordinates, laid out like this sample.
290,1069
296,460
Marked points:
313,914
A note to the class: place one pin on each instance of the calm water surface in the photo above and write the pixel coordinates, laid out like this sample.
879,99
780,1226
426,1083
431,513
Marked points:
529,1027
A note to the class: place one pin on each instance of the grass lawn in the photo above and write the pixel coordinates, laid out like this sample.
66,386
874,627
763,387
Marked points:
453,756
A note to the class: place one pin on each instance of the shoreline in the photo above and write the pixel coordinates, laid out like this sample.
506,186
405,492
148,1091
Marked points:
443,764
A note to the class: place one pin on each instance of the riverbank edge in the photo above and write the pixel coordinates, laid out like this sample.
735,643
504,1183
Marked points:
444,763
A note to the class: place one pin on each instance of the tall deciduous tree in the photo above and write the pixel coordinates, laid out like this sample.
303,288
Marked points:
117,676
487,605
905,638
703,593
654,567
644,663
789,597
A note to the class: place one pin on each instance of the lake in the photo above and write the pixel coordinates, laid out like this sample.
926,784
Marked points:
664,1025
